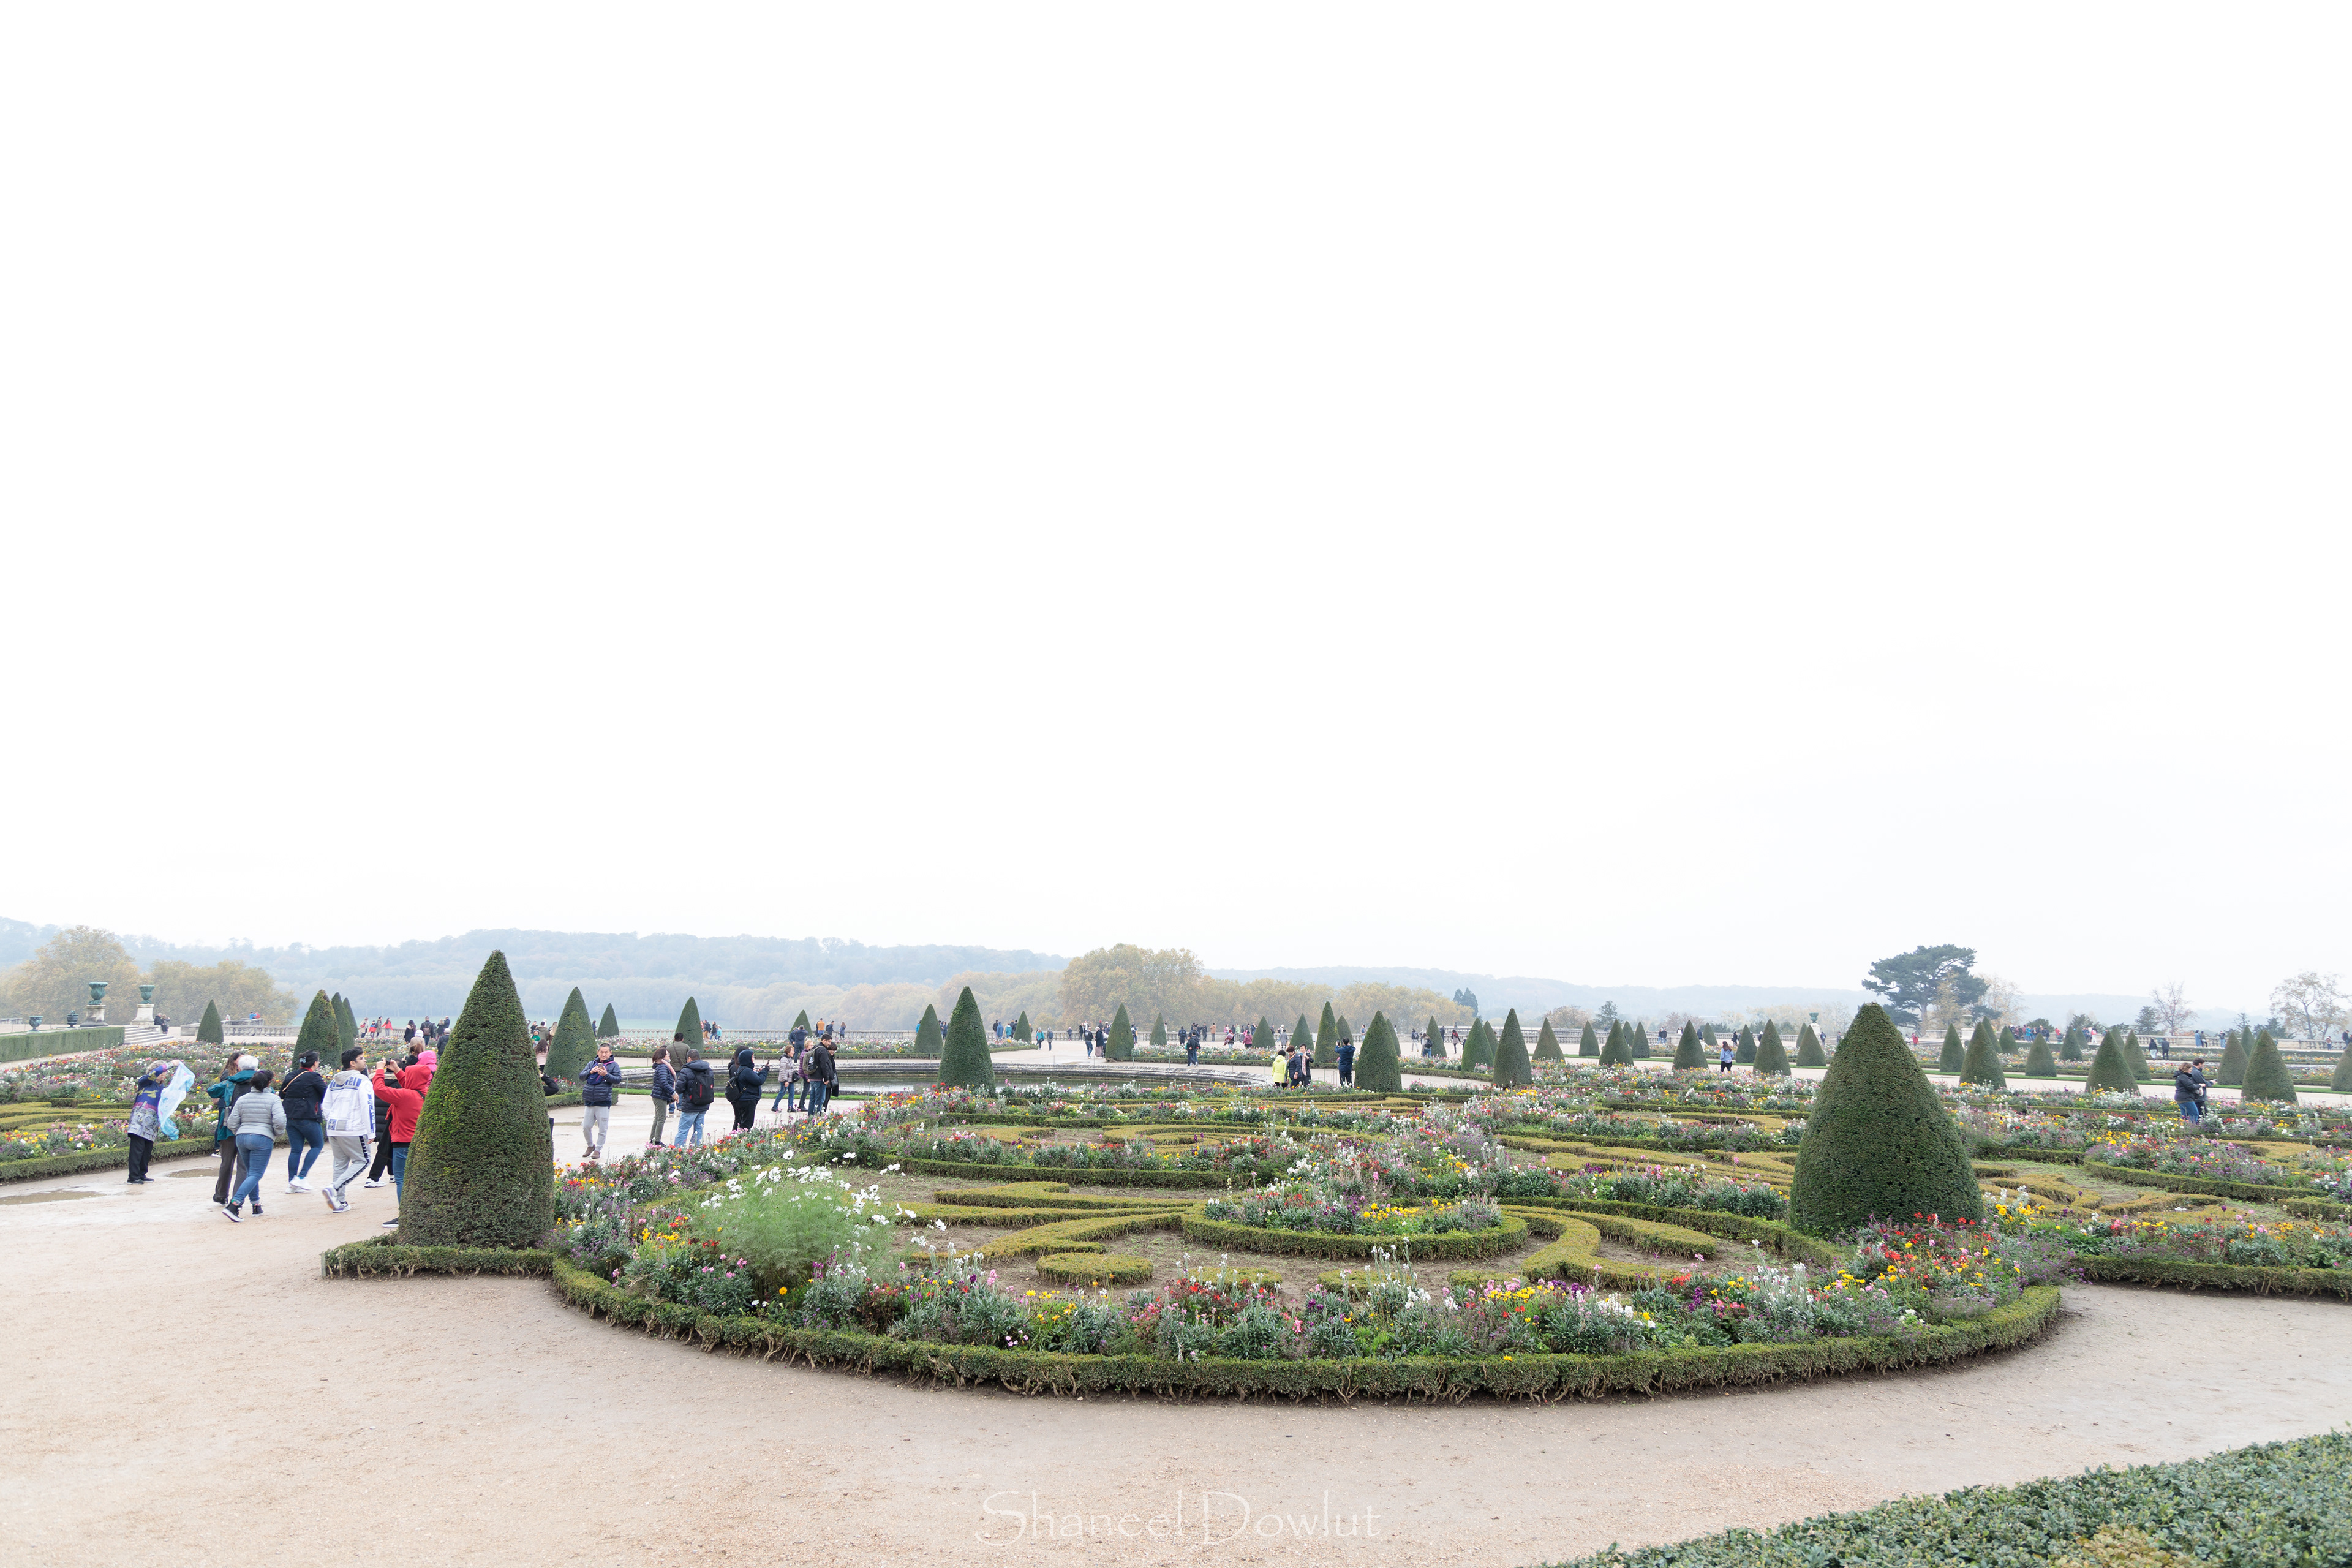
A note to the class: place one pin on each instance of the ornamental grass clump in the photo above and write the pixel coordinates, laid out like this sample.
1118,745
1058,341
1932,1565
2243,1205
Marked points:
787,1223
1878,1142
481,1166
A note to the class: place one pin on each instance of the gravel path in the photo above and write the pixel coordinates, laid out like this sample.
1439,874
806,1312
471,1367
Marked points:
192,1371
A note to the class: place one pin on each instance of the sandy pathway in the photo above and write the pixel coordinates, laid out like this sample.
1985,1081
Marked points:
171,1365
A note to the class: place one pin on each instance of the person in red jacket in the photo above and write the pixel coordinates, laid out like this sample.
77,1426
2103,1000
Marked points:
404,1103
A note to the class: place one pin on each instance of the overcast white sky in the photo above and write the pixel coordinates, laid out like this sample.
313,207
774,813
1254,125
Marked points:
1638,496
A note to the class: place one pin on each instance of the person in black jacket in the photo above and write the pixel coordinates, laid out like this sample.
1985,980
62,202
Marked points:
822,1080
745,1081
664,1091
306,1130
2189,1091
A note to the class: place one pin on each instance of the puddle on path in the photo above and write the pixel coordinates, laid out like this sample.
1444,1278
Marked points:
47,1197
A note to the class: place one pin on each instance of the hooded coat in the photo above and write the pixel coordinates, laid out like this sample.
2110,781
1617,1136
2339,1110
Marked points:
405,1103
745,1079
695,1088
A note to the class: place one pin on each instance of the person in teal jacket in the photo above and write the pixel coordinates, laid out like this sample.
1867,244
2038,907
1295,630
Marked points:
229,1091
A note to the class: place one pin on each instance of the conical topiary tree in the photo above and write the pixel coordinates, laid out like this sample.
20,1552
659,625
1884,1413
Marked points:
1981,1065
689,1024
1378,1071
1616,1053
1587,1043
1878,1142
1119,1047
1637,1040
1023,1030
1346,1033
1433,1038
1478,1050
1706,1036
963,1056
2039,1062
481,1167
1158,1028
1512,1069
1955,1056
2070,1049
608,1027
1744,1051
1262,1037
574,1041
2137,1055
2232,1068
802,1022
320,1033
208,1030
928,1040
1547,1045
1771,1057
1327,1038
1809,1049
347,1028
2267,1078
2340,1080
1302,1033
1689,1056
2110,1069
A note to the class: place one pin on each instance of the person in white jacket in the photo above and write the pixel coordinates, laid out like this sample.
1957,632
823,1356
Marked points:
350,1112
256,1121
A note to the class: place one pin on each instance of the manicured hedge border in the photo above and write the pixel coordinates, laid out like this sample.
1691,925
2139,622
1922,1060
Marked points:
1506,1237
383,1258
2132,1176
2262,1281
179,1148
1203,1180
1785,1240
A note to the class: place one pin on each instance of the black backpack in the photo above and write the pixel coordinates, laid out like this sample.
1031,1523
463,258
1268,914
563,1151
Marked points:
693,1094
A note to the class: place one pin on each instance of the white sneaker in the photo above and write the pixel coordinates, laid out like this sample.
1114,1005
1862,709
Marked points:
371,1184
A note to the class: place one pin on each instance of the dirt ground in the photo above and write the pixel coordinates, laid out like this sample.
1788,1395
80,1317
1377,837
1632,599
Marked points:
185,1391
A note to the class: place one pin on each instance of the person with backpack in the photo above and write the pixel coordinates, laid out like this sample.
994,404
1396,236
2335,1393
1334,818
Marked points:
306,1133
664,1093
822,1080
232,1159
745,1081
348,1111
695,1093
256,1121
598,1079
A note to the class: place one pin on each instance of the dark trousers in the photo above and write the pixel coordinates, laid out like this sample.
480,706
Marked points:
232,1170
745,1110
140,1148
384,1156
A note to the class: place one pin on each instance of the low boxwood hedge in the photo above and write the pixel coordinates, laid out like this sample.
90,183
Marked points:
2260,1279
117,1159
1096,1269
2265,1507
1782,1240
384,1257
1503,1238
1213,1181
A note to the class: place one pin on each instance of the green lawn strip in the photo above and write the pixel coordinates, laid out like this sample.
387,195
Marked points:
1511,1235
2269,1506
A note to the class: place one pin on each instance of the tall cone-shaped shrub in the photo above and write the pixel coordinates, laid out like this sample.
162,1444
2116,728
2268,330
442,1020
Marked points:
1378,1071
1512,1069
2111,1069
2232,1068
1616,1053
2071,1048
1302,1033
1347,1031
1878,1142
1809,1049
1023,1030
1158,1028
1746,1050
928,1040
2137,1054
208,1031
1433,1038
802,1022
963,1058
2267,1078
1262,1037
1955,1056
1482,1043
574,1041
1771,1057
320,1033
1587,1043
347,1028
2340,1080
1981,1065
2039,1062
1637,1040
1689,1055
481,1167
1120,1045
608,1027
689,1024
1327,1038
1547,1045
